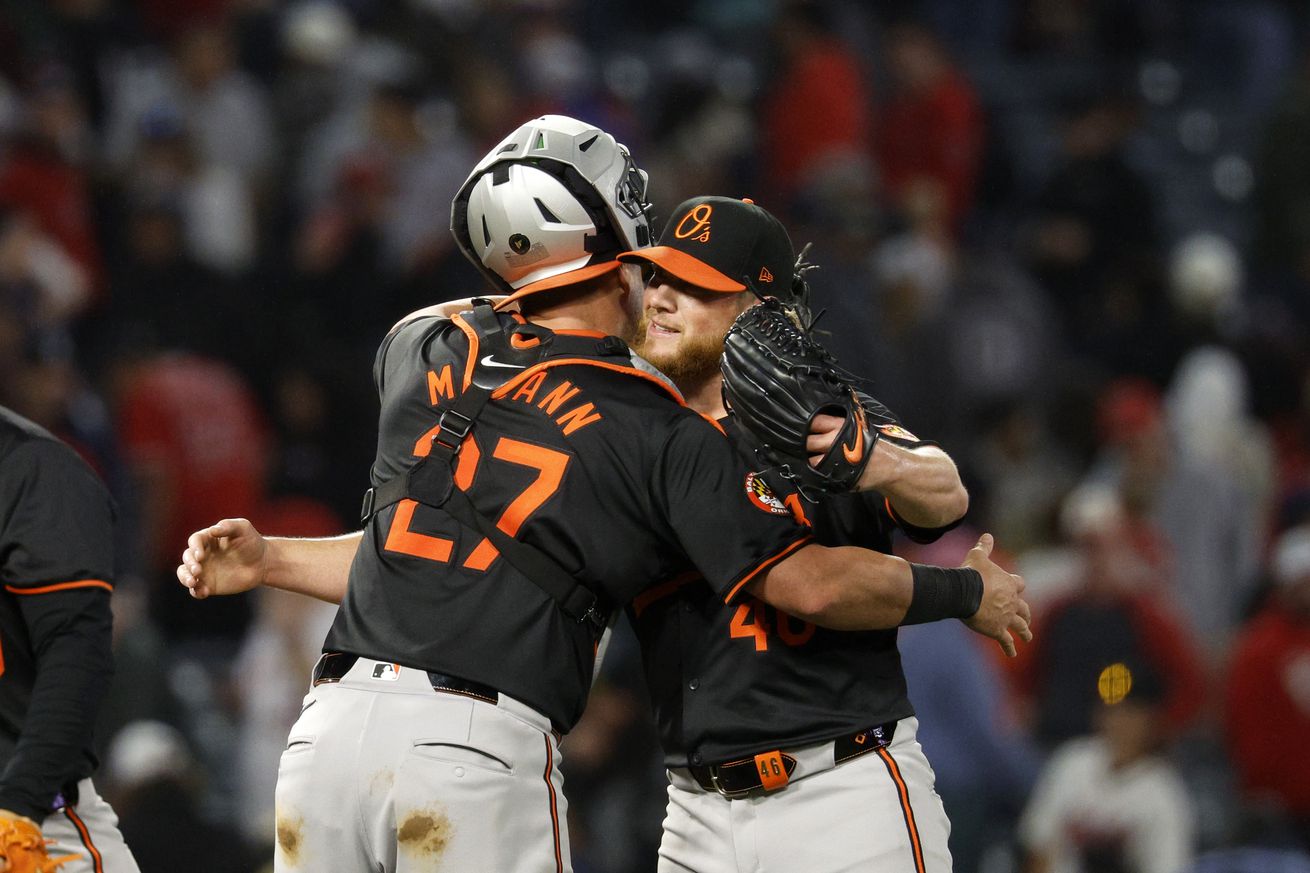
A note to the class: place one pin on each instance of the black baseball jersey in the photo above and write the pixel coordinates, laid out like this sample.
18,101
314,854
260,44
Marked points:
57,570
731,681
590,460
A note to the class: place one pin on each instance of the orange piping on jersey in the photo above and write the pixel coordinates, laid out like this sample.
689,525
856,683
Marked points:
528,392
713,423
891,510
519,341
554,811
96,861
504,389
664,589
593,334
915,846
473,348
764,565
62,586
558,362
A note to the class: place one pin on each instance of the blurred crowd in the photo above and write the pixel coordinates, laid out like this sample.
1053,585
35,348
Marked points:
1067,239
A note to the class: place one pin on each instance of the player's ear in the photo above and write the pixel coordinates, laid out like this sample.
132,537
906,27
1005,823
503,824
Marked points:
633,281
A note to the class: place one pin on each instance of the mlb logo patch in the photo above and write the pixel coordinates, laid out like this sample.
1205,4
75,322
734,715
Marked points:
386,672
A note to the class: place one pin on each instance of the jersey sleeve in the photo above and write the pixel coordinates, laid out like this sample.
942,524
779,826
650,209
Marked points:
921,535
70,632
397,348
380,360
725,517
58,522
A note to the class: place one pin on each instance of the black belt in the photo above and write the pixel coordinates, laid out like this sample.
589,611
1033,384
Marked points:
334,665
770,771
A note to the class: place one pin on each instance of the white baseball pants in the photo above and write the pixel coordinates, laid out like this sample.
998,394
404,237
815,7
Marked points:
878,812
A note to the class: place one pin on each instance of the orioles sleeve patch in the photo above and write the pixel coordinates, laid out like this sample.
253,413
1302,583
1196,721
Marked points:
895,430
762,497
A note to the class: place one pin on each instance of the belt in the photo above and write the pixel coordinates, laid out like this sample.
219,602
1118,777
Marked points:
333,666
769,771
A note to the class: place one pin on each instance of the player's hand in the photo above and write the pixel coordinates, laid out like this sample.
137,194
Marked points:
225,558
1003,613
824,429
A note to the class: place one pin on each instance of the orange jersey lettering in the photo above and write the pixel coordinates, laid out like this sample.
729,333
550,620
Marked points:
440,385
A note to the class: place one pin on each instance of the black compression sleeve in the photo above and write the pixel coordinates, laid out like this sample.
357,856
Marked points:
941,592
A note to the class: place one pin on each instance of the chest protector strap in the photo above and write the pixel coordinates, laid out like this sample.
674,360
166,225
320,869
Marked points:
430,479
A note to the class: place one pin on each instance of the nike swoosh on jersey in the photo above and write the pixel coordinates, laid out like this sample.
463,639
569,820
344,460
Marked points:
489,361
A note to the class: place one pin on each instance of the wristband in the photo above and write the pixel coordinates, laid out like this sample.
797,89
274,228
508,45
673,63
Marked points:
941,592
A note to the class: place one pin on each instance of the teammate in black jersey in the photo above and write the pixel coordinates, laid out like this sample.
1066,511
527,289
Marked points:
589,459
769,686
57,569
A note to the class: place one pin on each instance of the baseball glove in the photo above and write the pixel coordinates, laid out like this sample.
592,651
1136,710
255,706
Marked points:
23,848
776,379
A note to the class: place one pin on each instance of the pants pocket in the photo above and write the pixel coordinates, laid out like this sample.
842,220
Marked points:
447,752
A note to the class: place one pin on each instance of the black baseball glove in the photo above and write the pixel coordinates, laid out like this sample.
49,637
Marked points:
776,379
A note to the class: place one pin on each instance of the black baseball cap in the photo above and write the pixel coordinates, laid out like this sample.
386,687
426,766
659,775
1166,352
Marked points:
723,244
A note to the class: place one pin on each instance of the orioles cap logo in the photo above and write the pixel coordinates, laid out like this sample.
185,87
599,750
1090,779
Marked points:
855,453
765,275
695,224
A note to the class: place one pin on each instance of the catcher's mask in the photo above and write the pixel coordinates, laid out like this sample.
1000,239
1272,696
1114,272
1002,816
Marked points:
552,205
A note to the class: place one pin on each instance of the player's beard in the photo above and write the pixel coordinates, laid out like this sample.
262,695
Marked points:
693,361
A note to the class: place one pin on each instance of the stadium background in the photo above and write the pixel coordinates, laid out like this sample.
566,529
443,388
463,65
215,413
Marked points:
1068,239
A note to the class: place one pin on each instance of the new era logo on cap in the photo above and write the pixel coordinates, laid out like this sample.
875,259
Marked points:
723,244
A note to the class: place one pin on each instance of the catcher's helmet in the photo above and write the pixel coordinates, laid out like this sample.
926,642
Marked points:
553,204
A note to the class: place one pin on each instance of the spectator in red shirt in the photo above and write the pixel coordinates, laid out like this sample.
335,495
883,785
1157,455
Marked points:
930,133
195,441
816,115
1267,699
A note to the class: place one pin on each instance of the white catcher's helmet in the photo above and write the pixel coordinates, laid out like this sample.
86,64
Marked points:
553,204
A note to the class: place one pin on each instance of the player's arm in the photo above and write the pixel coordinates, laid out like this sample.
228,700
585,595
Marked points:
921,481
56,562
849,588
923,484
232,556
742,538
70,633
